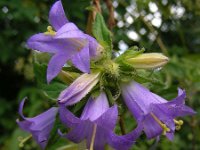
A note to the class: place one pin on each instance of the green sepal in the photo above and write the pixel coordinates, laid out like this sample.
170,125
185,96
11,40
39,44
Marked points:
128,76
130,53
111,86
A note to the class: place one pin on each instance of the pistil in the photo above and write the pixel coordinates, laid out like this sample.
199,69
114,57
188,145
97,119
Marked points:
24,140
178,123
162,125
93,137
50,31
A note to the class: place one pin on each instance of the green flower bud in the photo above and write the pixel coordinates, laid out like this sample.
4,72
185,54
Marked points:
148,61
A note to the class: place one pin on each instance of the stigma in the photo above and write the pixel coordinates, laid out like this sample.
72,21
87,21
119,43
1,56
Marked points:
178,123
50,31
23,140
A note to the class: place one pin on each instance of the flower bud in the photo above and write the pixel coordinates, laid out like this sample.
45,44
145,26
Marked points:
98,53
148,61
78,89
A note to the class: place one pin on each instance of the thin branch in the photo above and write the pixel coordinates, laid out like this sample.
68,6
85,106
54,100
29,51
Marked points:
158,38
150,27
92,15
97,5
111,19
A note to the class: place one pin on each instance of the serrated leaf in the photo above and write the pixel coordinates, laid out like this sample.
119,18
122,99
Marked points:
101,32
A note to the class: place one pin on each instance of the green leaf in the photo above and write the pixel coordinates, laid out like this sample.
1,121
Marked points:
101,32
40,73
51,90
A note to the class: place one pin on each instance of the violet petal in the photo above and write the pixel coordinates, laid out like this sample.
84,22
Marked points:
57,16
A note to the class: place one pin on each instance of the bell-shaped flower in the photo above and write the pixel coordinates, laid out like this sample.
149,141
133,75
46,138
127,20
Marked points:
78,89
96,125
39,126
155,114
67,42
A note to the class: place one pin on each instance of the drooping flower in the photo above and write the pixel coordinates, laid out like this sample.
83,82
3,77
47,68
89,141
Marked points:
96,125
78,89
67,42
155,114
39,126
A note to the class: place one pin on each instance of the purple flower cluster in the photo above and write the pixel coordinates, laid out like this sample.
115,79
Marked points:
154,115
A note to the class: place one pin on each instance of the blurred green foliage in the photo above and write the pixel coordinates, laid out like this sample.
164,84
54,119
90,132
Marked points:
168,26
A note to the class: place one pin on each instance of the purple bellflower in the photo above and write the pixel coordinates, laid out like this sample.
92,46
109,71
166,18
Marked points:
39,126
67,42
78,89
155,114
96,125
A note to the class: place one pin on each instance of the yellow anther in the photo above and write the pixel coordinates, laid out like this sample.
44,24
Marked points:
50,31
162,125
22,141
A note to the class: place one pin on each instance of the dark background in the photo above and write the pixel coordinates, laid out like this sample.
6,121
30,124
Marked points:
168,26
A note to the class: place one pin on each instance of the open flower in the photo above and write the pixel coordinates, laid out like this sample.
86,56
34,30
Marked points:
155,114
67,42
39,126
78,89
96,125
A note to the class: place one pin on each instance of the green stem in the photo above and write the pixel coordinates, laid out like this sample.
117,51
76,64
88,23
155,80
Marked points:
122,125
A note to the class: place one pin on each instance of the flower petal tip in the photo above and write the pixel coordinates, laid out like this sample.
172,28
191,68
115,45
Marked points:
57,16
